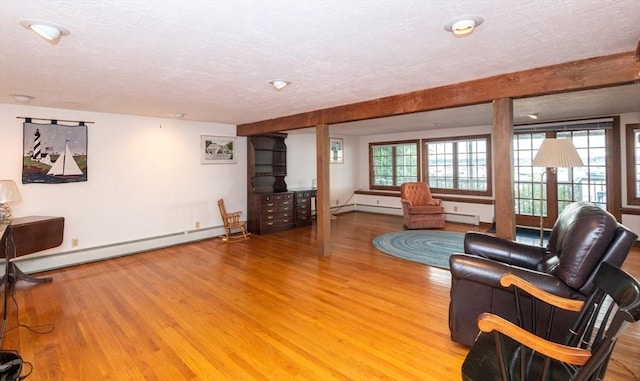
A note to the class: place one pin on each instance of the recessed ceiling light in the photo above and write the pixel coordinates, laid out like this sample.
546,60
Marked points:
279,84
463,25
21,97
50,32
180,115
534,115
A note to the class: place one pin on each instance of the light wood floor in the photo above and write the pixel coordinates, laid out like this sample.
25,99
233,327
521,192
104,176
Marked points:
264,309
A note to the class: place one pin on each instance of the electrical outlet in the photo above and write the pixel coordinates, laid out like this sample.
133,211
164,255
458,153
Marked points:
455,208
197,224
75,242
377,202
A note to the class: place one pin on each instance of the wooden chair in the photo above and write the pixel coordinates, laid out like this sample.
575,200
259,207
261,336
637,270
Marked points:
232,222
506,351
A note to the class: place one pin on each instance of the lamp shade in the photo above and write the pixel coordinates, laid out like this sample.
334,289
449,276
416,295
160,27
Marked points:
557,153
9,192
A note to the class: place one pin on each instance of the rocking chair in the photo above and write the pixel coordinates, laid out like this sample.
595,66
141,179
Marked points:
505,351
231,222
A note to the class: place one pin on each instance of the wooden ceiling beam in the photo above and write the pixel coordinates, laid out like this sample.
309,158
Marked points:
598,72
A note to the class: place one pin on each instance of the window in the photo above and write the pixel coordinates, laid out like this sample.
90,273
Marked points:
461,166
392,163
588,183
526,178
633,164
546,192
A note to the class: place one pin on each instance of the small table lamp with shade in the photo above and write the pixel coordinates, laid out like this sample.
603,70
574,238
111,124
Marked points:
8,193
554,153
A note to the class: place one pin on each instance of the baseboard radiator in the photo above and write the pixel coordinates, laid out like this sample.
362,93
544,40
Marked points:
470,219
37,263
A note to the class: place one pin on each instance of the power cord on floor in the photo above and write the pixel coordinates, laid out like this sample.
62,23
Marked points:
333,217
39,329
50,327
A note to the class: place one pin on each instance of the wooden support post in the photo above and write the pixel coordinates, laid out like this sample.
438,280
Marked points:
503,168
323,210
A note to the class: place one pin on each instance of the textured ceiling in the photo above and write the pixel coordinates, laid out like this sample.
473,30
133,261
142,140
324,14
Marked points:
212,60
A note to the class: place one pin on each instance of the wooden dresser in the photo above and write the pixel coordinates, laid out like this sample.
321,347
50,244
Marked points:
271,206
280,211
277,212
304,211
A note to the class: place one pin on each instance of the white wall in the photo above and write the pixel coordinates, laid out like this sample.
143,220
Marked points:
144,178
301,166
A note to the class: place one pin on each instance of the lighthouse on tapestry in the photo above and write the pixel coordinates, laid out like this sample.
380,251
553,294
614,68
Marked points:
36,146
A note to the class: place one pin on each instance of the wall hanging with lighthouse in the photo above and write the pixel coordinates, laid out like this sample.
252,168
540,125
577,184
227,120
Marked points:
54,153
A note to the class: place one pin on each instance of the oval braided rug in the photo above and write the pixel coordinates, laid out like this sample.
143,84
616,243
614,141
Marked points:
431,248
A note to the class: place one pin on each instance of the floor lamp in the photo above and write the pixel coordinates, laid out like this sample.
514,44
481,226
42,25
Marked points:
554,153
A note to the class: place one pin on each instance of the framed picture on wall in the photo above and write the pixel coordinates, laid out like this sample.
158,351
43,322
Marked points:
336,146
218,150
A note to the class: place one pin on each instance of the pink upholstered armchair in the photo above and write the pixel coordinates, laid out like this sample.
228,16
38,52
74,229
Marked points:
420,210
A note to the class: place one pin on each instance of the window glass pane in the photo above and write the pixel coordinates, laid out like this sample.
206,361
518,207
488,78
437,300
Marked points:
458,164
393,164
527,178
587,183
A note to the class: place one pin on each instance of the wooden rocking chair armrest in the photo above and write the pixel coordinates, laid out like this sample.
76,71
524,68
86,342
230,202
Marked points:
577,356
234,216
558,301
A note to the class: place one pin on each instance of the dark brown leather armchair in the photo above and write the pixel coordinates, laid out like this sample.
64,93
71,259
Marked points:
419,209
583,236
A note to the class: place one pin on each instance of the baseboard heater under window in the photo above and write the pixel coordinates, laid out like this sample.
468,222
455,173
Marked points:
470,219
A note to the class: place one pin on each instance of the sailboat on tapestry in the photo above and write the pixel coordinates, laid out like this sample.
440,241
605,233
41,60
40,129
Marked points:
65,165
54,153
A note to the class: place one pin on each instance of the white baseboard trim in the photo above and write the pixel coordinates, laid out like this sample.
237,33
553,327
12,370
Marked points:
342,208
470,219
379,209
35,264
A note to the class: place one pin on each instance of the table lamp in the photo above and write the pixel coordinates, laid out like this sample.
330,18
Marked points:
8,193
554,153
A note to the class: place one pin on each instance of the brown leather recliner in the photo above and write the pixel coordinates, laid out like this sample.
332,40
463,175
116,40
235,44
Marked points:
419,209
583,237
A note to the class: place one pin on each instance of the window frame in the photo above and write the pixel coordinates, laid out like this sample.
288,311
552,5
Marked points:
373,186
632,179
488,164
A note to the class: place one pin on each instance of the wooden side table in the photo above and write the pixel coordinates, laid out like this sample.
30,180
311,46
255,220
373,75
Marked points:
29,235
